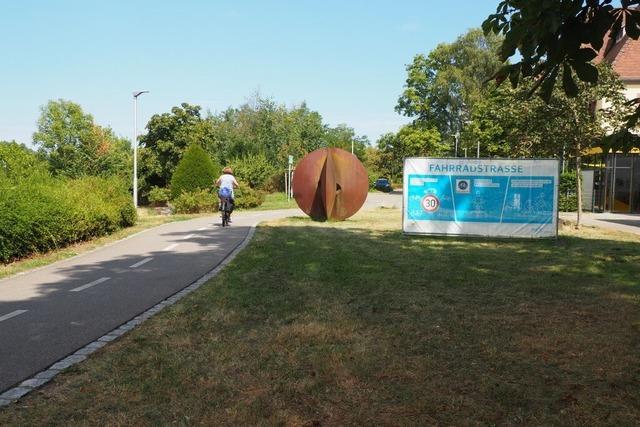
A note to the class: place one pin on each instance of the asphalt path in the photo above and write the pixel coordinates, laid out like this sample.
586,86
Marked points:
49,313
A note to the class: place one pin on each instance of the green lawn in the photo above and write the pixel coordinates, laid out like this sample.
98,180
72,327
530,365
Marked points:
276,201
353,323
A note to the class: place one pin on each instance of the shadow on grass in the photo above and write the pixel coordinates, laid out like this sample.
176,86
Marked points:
443,330
341,326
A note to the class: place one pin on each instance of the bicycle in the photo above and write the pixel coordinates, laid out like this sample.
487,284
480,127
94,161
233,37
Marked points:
225,211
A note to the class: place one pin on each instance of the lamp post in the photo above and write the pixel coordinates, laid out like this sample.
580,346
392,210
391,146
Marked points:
135,145
457,137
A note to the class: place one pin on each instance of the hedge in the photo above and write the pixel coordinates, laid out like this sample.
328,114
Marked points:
159,196
246,197
568,200
205,201
43,213
196,202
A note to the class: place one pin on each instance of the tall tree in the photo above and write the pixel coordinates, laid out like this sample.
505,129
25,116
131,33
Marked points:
260,126
75,146
559,39
442,87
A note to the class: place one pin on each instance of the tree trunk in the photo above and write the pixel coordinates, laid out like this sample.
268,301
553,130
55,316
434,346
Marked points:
578,185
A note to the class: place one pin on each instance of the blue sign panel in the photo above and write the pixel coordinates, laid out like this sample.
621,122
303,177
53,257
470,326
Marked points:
502,197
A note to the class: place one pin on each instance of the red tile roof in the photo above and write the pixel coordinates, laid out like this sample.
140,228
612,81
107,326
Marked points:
623,55
625,58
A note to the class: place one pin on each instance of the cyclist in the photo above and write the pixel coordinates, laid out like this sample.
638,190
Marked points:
227,183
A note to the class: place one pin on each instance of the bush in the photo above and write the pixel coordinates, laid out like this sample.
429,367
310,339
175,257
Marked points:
159,196
205,201
246,197
196,202
567,198
568,203
195,171
128,215
567,182
372,176
275,183
38,214
254,170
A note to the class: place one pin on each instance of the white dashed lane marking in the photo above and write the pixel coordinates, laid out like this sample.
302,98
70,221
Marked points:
88,285
188,237
168,248
202,229
138,264
12,314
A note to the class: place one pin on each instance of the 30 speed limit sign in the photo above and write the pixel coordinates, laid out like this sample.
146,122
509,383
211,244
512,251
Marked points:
430,203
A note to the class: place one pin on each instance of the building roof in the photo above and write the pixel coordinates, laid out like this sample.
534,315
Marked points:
624,57
623,53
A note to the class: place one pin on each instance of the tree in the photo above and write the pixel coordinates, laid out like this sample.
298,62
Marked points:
559,38
18,162
260,131
168,136
389,158
410,141
343,136
420,141
75,146
442,88
262,126
254,170
195,171
372,164
561,125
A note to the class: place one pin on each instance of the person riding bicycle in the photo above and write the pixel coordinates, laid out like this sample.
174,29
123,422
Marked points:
227,183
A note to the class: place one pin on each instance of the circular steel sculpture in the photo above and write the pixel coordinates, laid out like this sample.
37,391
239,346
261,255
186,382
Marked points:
330,183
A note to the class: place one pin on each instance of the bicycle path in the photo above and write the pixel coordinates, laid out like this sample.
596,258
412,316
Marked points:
49,313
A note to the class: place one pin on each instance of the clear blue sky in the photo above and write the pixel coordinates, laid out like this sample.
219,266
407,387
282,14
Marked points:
345,59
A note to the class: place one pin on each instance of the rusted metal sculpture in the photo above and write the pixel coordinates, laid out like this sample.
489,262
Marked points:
330,183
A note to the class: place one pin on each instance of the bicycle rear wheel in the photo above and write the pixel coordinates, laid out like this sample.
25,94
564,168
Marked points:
225,214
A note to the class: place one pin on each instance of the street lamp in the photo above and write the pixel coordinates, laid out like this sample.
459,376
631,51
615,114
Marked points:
135,145
457,137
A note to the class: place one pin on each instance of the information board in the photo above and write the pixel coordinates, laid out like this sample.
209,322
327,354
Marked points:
481,197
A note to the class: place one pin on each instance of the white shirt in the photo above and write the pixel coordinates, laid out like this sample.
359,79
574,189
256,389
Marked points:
227,181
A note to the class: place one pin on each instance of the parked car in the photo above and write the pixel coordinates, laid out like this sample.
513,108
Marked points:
383,184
